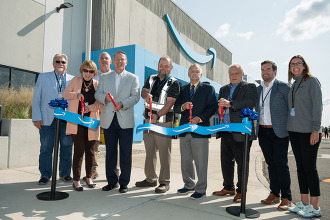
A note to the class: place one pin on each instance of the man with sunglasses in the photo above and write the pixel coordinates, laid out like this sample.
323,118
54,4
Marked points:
49,86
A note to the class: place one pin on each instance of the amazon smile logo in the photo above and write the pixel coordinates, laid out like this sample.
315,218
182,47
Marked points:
188,50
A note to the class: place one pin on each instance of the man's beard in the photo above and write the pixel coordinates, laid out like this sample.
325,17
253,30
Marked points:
60,69
162,76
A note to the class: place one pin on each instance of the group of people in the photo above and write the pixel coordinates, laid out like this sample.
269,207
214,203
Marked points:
286,113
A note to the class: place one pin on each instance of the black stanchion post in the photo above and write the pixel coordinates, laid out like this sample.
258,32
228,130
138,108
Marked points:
236,210
53,194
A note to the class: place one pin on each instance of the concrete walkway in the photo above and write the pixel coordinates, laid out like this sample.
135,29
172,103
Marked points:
18,190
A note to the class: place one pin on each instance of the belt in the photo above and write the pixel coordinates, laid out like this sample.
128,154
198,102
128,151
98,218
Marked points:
266,126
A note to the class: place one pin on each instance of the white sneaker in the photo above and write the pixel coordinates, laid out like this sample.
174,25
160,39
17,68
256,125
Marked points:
310,212
299,206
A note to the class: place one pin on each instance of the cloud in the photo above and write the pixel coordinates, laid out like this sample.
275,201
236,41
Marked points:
306,21
326,101
246,35
222,31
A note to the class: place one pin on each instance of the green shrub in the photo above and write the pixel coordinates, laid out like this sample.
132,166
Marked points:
16,103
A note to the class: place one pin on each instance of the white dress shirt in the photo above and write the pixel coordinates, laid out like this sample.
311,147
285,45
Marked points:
99,73
265,118
118,78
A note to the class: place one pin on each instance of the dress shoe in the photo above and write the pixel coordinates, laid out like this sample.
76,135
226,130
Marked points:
123,189
145,183
162,188
285,204
77,188
237,198
90,185
271,199
93,176
224,192
110,187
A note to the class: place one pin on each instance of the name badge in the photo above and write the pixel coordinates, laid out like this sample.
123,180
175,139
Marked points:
60,95
293,111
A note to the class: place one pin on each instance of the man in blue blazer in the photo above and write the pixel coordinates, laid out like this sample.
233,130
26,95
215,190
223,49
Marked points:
273,110
49,86
234,97
118,124
194,148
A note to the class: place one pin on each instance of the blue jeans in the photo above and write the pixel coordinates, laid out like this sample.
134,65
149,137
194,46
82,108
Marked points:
47,134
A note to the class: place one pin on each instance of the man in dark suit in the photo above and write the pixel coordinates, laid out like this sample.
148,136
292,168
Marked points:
118,124
234,97
272,107
194,148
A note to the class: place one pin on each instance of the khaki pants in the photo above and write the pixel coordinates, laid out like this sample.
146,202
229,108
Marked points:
163,143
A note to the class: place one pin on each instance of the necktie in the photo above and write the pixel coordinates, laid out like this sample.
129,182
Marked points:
192,92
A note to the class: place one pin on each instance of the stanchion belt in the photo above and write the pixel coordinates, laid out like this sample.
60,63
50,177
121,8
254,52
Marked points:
75,118
244,127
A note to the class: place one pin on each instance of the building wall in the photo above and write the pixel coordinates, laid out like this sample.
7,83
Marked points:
33,32
22,34
142,22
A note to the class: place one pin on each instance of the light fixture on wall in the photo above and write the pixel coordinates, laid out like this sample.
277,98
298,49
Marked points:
64,5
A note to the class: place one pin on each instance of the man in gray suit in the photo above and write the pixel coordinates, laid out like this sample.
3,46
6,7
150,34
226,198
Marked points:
234,97
49,86
272,107
118,124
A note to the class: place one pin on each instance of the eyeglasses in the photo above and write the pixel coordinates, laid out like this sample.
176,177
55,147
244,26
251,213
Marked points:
296,64
63,62
88,71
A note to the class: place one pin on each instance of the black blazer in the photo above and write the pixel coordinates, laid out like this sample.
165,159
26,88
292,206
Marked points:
244,96
204,105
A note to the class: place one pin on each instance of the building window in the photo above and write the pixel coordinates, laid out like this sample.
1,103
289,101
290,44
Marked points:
15,78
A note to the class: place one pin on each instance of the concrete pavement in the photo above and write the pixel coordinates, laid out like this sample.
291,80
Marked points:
18,190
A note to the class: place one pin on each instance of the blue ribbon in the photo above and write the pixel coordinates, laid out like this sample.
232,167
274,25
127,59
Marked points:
63,103
244,127
246,112
75,118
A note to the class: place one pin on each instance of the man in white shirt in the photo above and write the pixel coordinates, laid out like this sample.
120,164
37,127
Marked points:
272,107
104,62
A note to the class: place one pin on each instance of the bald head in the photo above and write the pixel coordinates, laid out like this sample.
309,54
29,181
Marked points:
104,62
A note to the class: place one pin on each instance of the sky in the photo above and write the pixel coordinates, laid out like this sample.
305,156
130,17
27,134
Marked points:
277,30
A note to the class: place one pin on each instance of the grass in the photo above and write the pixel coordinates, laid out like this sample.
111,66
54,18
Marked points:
16,103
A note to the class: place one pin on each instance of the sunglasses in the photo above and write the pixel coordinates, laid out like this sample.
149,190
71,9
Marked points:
88,71
63,62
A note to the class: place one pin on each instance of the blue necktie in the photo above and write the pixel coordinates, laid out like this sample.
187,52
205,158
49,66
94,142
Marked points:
192,92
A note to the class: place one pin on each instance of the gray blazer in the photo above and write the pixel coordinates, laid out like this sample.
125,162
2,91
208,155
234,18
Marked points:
128,93
44,91
279,109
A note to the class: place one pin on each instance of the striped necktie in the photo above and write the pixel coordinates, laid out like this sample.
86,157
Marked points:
192,92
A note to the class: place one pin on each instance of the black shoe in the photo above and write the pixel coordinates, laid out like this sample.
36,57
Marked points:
90,185
110,187
43,181
66,178
77,188
123,189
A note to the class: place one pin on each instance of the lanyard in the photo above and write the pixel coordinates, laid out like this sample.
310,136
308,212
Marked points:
294,93
60,85
262,93
158,85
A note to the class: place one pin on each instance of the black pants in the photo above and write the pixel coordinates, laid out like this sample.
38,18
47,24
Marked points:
82,145
232,151
275,151
125,137
306,155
